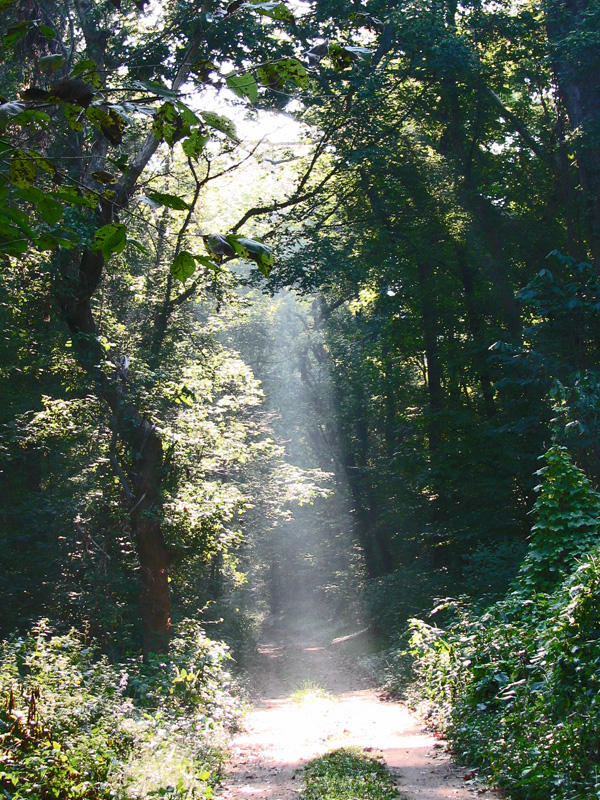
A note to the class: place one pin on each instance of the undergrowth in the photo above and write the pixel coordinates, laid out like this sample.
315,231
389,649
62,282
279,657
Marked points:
347,774
75,727
516,687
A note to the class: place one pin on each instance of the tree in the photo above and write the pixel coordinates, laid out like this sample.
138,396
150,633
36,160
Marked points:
99,99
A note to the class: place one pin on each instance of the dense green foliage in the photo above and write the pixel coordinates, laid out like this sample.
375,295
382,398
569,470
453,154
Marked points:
516,685
74,726
346,774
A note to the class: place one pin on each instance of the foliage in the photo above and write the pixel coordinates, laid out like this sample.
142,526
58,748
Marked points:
74,726
515,685
348,773
567,517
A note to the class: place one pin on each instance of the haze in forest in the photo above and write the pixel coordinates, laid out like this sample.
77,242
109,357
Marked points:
299,321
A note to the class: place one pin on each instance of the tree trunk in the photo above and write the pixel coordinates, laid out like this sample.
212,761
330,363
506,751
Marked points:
141,440
434,373
572,32
467,276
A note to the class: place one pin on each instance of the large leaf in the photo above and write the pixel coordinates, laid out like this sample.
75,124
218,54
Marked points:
48,207
12,242
48,32
31,115
156,88
220,123
88,70
169,200
258,252
274,10
207,262
110,239
21,171
169,124
276,75
108,121
17,32
54,61
194,144
183,267
218,246
74,198
20,218
243,85
343,56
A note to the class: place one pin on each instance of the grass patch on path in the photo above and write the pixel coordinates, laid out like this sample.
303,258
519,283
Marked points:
347,774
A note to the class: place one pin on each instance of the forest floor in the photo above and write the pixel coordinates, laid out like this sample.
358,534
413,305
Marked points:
310,699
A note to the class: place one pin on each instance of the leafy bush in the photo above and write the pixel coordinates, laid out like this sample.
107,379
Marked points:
516,686
346,774
73,726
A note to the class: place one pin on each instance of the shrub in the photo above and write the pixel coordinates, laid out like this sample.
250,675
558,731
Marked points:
75,727
516,686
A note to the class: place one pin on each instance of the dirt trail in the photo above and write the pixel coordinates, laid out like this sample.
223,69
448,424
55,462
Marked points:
284,730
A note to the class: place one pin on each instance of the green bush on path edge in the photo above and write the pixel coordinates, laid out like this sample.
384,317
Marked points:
347,774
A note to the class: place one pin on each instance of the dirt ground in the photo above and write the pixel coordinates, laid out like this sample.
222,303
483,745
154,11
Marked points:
286,728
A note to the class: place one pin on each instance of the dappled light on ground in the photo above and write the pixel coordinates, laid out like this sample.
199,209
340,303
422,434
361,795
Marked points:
303,717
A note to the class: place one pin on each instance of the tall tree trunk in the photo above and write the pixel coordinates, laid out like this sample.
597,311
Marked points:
467,276
434,373
141,439
572,32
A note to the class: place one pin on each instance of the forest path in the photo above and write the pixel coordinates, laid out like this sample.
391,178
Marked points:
289,725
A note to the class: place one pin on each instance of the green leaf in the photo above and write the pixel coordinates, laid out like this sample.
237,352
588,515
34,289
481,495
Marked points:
207,262
195,142
274,10
343,56
54,61
156,88
243,85
13,245
276,75
108,122
49,209
110,239
21,171
219,246
46,31
169,200
139,246
258,252
20,218
102,176
17,32
183,267
49,241
88,70
187,115
169,125
74,198
220,123
73,117
31,115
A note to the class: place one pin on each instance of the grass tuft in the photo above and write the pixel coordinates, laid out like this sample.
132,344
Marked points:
309,690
